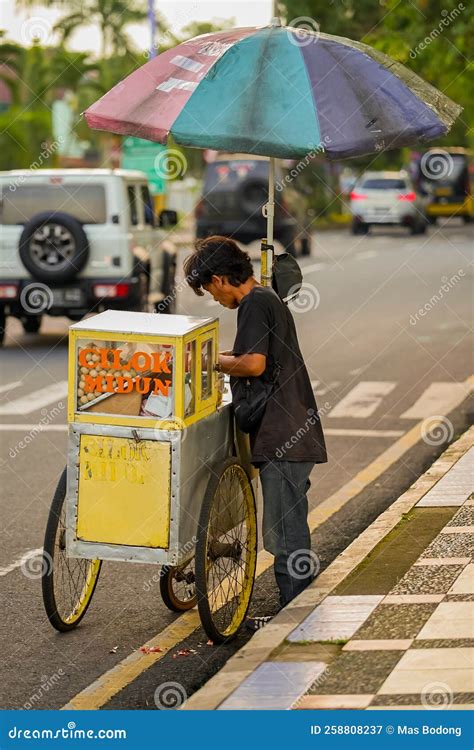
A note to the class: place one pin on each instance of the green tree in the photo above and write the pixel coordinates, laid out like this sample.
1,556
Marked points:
36,76
111,17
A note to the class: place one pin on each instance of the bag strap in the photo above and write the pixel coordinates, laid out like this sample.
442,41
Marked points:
277,367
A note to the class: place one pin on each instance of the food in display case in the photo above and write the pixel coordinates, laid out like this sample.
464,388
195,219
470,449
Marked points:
125,378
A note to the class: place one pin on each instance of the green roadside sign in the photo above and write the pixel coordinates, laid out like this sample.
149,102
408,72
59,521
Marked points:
147,157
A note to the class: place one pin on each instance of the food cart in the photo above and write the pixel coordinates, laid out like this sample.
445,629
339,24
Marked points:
156,472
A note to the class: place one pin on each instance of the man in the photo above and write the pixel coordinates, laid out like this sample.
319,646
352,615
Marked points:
289,439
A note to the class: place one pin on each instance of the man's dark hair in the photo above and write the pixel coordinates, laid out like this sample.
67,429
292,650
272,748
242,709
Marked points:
216,256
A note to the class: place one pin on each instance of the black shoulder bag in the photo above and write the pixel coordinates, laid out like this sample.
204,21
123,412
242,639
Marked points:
251,395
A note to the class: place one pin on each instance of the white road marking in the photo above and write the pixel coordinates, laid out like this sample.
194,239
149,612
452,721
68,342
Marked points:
36,400
10,386
363,399
18,427
329,387
313,267
437,399
363,433
314,384
20,561
366,254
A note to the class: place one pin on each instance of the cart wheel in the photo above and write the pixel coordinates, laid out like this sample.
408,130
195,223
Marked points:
226,551
68,582
177,587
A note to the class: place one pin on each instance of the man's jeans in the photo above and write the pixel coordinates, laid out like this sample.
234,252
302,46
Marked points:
285,524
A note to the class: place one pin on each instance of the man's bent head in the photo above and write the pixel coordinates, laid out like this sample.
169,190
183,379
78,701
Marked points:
220,267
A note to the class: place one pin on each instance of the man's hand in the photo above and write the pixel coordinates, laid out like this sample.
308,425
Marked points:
243,365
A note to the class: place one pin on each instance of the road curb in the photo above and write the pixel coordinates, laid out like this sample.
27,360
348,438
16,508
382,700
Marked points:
264,642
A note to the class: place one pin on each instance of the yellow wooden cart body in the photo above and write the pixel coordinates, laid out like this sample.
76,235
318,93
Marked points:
147,424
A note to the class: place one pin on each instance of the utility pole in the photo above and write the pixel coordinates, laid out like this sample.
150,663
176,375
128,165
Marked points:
152,20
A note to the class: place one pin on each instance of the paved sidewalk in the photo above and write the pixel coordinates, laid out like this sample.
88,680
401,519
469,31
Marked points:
389,624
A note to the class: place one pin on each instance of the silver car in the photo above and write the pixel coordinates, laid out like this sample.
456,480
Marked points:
386,198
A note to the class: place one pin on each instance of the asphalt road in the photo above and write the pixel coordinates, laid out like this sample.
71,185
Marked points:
379,366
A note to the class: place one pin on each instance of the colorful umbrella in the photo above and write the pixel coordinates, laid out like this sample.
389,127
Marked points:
278,92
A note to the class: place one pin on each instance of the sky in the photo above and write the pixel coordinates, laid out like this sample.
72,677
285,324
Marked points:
22,25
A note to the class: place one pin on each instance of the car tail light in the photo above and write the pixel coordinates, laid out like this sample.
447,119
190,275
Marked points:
111,290
407,197
199,209
357,196
8,291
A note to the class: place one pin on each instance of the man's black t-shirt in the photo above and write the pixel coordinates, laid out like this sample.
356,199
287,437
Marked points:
290,429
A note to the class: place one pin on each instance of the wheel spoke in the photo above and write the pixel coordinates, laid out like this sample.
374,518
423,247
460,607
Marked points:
231,550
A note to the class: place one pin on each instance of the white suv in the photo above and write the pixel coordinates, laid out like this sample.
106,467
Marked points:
386,198
75,241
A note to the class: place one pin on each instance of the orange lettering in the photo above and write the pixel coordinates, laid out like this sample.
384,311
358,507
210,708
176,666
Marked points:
92,384
161,387
135,361
143,385
160,362
83,357
105,362
109,383
122,382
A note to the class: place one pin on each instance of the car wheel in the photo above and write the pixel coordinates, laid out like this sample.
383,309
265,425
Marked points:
431,219
252,195
142,303
167,305
306,246
31,323
359,227
289,242
54,247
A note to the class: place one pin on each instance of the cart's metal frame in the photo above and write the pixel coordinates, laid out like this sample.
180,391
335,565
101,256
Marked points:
194,453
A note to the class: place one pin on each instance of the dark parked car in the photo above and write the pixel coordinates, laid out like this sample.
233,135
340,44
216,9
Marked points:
235,189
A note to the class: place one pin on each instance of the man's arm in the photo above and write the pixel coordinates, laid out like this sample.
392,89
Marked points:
243,365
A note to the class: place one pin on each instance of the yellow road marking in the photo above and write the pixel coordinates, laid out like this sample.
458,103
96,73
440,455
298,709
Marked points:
110,683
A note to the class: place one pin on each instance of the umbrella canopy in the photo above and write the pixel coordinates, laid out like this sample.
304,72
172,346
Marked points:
276,91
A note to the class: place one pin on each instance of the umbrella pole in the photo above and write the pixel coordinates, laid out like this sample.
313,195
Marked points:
267,243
